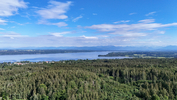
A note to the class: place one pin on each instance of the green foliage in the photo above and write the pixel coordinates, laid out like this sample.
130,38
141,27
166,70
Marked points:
124,79
61,95
155,97
44,97
141,54
4,95
43,86
111,77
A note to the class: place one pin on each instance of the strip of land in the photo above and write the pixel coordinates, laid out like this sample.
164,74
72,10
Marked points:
19,52
140,54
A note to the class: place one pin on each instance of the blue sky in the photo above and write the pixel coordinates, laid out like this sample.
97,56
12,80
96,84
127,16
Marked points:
56,23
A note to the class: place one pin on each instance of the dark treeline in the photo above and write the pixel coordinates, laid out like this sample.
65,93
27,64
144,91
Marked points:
114,79
17,52
141,54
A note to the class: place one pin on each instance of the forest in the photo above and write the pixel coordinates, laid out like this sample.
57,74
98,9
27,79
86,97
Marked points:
143,54
19,52
101,79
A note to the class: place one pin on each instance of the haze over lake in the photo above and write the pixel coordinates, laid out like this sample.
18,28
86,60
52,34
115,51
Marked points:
55,57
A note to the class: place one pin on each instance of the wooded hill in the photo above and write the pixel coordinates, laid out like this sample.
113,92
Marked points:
20,52
116,79
143,54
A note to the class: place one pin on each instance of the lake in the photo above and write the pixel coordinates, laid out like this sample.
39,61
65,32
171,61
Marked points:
56,57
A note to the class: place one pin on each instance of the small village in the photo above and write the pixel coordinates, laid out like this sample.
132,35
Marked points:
26,62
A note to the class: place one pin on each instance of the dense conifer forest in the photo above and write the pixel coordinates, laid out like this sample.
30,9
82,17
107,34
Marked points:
114,79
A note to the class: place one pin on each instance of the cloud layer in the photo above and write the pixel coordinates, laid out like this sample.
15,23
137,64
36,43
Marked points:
10,7
2,22
140,29
87,28
144,32
59,24
55,10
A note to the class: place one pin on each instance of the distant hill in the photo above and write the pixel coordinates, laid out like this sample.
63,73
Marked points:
104,48
169,48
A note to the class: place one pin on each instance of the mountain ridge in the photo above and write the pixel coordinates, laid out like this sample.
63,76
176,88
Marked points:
104,48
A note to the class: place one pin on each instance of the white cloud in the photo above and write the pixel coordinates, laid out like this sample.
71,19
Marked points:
151,13
77,18
11,35
122,21
105,36
20,23
161,32
10,7
147,21
126,27
57,41
2,22
60,34
2,29
94,13
59,24
129,33
55,10
79,26
132,13
140,29
89,37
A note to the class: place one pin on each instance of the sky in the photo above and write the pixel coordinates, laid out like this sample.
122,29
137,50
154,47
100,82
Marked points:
78,23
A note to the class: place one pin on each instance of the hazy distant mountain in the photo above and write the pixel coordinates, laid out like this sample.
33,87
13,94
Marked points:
169,48
127,48
110,48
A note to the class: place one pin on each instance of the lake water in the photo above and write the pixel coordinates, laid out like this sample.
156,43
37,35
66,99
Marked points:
55,57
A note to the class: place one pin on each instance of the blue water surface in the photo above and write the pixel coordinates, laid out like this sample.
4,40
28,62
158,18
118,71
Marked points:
56,57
